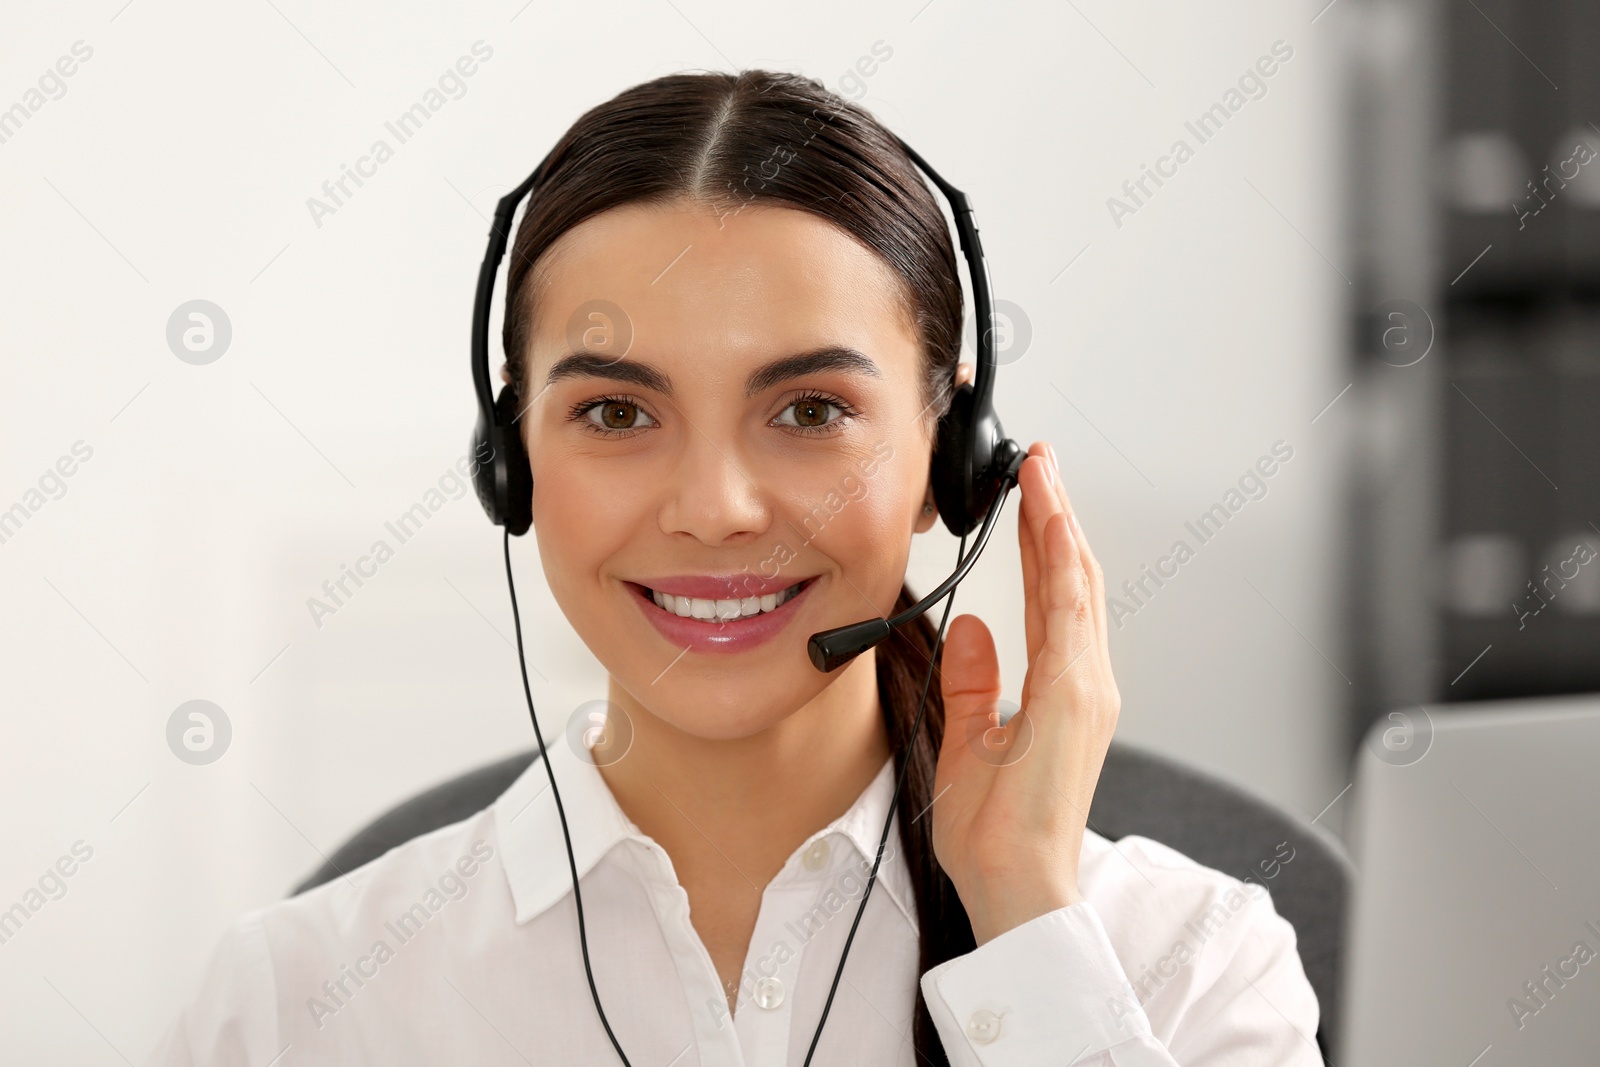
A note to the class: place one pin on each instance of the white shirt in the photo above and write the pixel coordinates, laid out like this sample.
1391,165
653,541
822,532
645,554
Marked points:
461,946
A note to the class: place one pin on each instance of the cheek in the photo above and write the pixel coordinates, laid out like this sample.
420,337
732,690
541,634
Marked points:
868,536
579,521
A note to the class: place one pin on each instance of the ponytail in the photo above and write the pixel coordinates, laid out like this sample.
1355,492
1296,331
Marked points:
944,930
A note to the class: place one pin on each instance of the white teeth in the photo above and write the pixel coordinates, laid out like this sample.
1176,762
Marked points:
720,610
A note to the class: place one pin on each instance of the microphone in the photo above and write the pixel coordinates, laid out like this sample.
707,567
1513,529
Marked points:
832,648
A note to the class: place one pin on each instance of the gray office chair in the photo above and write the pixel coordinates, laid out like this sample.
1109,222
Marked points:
1139,792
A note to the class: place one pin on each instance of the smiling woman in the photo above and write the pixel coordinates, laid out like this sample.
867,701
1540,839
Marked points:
742,464
718,451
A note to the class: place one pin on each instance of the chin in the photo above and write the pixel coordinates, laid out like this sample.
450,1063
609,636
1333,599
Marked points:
737,708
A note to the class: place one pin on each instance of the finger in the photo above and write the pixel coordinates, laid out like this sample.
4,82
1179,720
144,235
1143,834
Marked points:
1069,615
1057,486
969,678
1091,659
1091,565
1032,564
1039,503
1097,583
1066,669
1033,615
1096,578
1039,497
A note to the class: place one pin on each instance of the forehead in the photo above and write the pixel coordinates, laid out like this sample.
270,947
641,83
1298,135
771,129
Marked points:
734,284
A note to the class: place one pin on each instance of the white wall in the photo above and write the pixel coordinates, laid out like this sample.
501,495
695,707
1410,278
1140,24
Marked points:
177,564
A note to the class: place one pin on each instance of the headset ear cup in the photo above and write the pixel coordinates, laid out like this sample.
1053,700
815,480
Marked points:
513,475
951,473
500,471
484,456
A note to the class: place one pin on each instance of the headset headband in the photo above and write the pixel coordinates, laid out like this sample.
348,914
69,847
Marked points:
499,234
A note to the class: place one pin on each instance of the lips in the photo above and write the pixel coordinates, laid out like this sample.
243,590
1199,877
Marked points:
723,609
722,634
720,586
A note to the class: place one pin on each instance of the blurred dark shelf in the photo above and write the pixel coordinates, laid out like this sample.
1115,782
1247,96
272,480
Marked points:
1520,386
1553,655
1488,460
1555,254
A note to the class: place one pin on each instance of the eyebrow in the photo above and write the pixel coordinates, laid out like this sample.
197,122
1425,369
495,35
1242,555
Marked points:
816,361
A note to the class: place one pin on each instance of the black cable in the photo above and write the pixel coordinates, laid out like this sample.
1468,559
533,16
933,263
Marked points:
933,663
572,862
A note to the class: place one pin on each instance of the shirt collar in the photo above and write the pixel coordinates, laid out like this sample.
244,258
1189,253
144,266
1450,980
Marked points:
528,826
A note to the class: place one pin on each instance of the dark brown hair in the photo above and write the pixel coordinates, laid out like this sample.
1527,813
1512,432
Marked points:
729,140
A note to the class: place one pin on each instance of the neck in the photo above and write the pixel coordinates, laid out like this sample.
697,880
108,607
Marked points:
737,809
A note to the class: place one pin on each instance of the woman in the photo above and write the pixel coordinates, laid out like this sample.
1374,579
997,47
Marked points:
728,820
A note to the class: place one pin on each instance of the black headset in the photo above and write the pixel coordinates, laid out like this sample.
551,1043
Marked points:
974,468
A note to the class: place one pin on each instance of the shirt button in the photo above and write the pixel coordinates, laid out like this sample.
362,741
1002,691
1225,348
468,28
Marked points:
983,1026
768,993
816,857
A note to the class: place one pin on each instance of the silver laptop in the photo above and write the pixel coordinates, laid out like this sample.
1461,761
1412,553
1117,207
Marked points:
1474,939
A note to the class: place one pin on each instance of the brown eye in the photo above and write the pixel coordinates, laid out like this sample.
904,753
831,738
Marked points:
615,415
811,413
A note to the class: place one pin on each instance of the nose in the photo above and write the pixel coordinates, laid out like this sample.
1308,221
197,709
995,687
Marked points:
713,494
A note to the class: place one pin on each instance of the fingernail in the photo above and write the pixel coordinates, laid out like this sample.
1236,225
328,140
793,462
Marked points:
1055,464
1072,518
